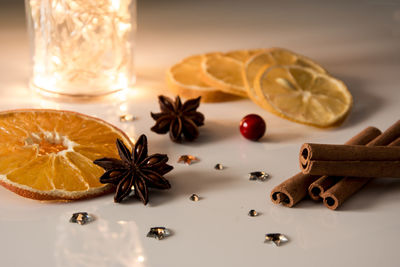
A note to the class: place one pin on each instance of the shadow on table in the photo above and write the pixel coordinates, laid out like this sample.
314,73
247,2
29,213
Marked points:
376,193
283,137
215,131
365,104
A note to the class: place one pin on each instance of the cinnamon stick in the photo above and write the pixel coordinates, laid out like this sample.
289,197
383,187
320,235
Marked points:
341,191
350,160
317,188
294,189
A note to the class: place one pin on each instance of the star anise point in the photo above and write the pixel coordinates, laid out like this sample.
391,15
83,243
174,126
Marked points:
177,118
135,171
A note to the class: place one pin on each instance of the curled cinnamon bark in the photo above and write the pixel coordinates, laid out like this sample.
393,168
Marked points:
350,160
317,188
294,189
341,191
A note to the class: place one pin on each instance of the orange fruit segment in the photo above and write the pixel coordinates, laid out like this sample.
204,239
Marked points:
48,154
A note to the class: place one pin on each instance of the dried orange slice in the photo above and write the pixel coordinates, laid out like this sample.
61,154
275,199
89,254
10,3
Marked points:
48,154
224,70
242,55
184,79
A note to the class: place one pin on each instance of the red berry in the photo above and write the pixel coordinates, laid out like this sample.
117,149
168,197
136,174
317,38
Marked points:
252,127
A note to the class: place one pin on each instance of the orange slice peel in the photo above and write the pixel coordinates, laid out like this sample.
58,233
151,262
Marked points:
48,154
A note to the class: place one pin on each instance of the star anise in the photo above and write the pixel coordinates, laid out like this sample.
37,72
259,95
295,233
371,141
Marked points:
135,171
178,119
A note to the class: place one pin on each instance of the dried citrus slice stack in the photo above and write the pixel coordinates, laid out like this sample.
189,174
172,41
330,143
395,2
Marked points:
219,76
48,154
303,95
184,79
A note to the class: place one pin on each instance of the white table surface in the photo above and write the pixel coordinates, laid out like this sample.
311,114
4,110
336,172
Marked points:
357,41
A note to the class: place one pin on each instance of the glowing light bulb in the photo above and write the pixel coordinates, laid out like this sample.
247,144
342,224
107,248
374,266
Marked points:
123,108
115,4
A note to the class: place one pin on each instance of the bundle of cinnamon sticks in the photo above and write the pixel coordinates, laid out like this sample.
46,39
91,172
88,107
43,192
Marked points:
333,173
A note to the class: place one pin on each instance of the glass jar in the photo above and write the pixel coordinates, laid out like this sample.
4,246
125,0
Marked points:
81,48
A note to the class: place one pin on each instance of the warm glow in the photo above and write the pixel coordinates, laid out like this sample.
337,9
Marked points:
87,50
115,4
123,27
123,108
59,8
123,81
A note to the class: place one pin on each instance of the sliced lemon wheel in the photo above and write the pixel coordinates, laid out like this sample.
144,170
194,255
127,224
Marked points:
48,154
303,95
185,79
224,71
271,57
